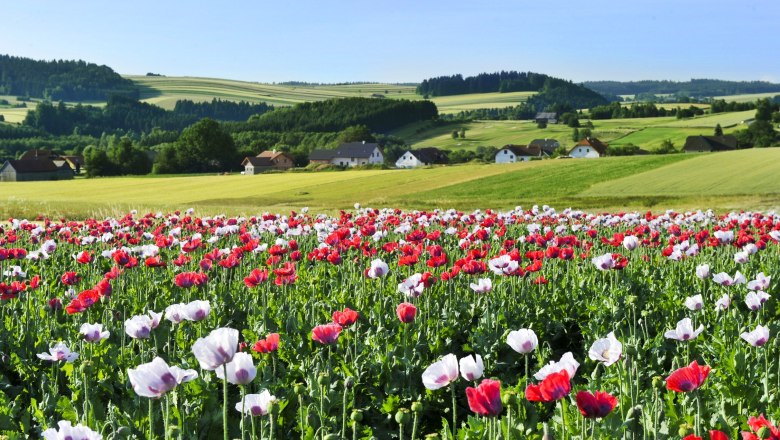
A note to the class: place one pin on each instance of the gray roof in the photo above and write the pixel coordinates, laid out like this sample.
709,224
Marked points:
322,154
430,155
355,149
257,161
547,115
547,145
522,150
34,165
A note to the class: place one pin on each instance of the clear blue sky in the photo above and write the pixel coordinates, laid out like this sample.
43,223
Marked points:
404,40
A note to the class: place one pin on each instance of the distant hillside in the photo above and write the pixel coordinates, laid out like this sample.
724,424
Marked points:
338,114
61,80
554,93
693,88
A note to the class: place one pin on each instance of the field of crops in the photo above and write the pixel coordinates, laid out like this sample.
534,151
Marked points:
724,181
384,323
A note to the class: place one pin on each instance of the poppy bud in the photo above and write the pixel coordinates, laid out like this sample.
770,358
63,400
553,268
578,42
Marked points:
299,388
402,416
356,416
273,407
322,380
683,430
417,407
509,398
658,382
349,382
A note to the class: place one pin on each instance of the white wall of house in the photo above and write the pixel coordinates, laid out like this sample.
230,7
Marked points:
408,160
580,152
375,158
249,170
505,156
508,156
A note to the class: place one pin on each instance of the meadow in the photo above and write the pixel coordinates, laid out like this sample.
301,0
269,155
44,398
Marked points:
647,133
723,181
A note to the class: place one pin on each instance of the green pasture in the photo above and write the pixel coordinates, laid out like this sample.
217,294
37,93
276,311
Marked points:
750,97
742,172
485,133
730,119
743,179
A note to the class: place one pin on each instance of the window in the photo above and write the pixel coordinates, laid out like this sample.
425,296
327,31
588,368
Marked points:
579,150
506,152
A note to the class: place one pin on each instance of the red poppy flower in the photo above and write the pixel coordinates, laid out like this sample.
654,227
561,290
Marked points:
55,304
189,279
554,387
595,405
688,378
326,334
181,260
70,278
485,399
103,287
406,312
718,435
256,277
285,274
346,317
758,423
267,345
154,262
84,258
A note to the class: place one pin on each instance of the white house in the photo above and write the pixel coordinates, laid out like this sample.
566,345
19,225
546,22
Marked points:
588,148
517,153
355,153
420,158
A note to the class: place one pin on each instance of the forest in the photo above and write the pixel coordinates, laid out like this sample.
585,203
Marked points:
60,80
692,88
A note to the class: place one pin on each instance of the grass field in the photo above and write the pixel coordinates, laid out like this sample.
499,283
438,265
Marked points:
743,179
647,133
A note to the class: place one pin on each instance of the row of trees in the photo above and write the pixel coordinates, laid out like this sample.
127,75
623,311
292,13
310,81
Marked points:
694,87
221,110
336,114
61,80
511,81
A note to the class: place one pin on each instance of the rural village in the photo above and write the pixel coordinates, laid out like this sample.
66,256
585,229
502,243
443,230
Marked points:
390,220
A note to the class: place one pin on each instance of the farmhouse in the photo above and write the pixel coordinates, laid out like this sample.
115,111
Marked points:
548,146
588,148
517,153
421,157
33,169
547,117
349,155
36,154
701,144
267,160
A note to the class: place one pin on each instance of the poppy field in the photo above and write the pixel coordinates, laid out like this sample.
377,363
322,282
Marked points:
391,324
